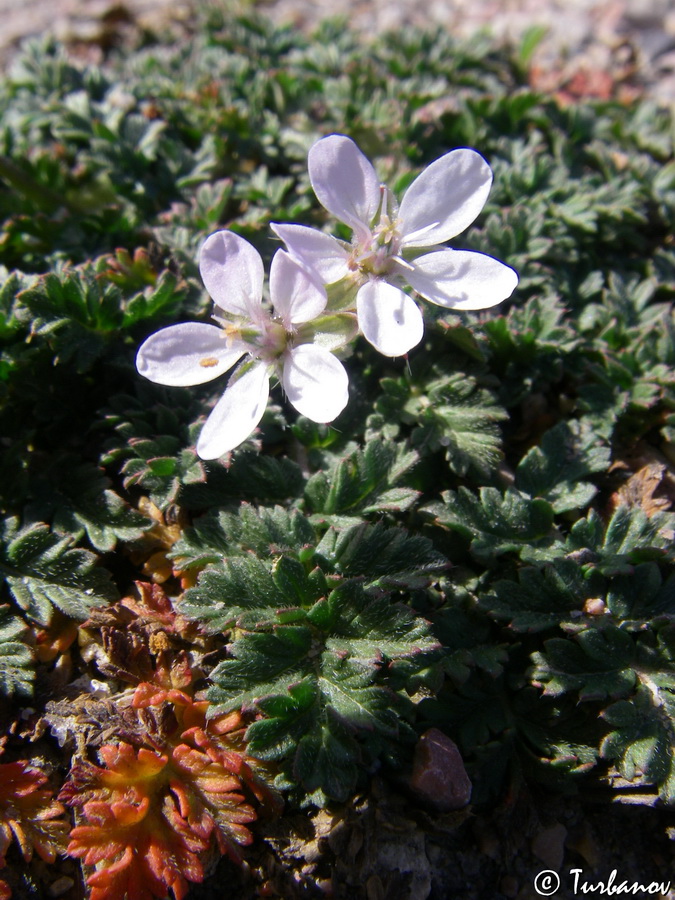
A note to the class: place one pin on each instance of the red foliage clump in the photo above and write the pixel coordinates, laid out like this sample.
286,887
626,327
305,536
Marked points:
149,814
29,814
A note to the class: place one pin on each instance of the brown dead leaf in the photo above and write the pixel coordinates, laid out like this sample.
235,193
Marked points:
651,484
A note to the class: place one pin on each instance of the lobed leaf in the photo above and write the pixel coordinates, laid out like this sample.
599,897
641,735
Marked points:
556,469
317,683
365,482
43,571
597,663
16,658
495,523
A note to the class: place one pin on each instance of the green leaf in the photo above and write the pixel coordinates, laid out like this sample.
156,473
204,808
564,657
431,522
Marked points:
230,588
597,663
84,502
450,412
496,523
293,583
467,643
263,531
365,482
555,470
541,599
385,557
629,538
152,433
642,594
16,658
349,692
327,759
287,720
43,570
319,685
250,476
79,309
643,737
262,664
370,630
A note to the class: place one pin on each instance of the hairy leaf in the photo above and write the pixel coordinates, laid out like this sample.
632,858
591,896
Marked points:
365,482
543,598
264,531
450,412
16,659
556,469
318,684
597,663
387,557
43,570
628,539
84,502
642,738
496,523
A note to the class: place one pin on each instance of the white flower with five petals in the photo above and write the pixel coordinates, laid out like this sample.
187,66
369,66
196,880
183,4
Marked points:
314,381
386,243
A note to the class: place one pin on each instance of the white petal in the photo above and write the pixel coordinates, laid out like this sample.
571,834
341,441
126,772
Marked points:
232,272
445,198
236,414
315,382
296,296
315,250
187,354
462,279
344,181
388,318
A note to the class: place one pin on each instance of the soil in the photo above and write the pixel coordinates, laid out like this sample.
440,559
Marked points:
585,42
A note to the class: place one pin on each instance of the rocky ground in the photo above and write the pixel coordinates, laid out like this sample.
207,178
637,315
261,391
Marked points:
584,42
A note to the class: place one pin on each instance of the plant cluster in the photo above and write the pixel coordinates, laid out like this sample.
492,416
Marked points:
478,540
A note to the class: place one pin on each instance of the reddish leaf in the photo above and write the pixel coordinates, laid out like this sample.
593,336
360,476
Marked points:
149,816
29,814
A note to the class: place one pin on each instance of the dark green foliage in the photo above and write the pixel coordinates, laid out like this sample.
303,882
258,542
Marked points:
365,482
556,469
446,411
629,538
541,598
496,523
597,664
84,503
261,531
78,311
474,543
43,570
16,658
322,680
642,736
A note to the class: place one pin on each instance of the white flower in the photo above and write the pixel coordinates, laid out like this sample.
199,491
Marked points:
314,380
442,201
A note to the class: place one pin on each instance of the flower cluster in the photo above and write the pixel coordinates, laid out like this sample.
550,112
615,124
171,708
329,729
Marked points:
295,337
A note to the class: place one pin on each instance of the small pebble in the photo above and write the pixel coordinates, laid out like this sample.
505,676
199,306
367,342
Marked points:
438,775
61,886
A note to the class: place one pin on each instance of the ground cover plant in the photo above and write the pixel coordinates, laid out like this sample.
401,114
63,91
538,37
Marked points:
196,648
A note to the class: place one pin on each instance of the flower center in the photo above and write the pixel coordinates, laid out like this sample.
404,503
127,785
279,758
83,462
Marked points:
378,253
265,338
